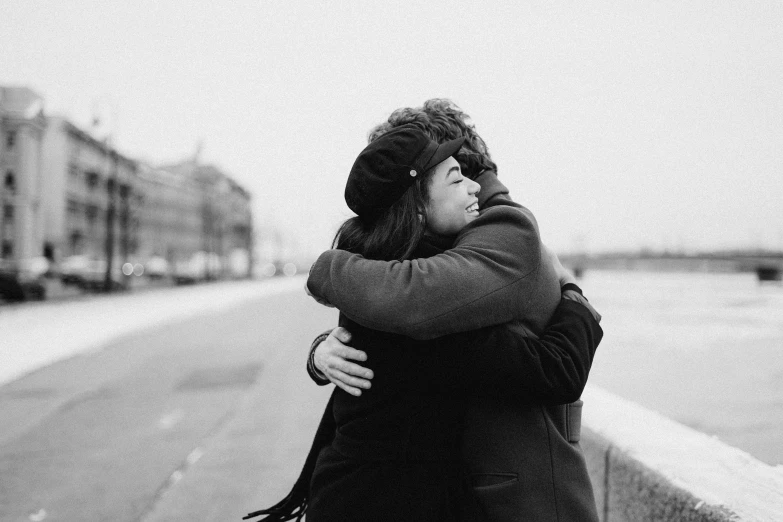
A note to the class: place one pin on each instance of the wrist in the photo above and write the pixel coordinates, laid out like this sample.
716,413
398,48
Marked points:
315,373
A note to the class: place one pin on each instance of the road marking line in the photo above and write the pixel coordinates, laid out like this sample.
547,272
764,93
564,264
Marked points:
194,456
170,419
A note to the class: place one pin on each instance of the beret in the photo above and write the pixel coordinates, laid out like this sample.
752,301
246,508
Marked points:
389,165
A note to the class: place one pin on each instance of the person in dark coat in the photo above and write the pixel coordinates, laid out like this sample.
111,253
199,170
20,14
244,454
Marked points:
392,454
523,458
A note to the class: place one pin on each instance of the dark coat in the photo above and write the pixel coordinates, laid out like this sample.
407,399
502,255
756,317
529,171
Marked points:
525,463
522,454
396,451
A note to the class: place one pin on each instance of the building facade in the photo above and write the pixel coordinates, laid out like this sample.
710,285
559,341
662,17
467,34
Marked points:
64,193
92,205
170,216
22,125
226,223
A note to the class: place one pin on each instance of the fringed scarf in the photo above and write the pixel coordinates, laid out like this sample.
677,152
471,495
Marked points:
294,506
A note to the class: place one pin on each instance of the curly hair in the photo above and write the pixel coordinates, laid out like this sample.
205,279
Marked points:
442,120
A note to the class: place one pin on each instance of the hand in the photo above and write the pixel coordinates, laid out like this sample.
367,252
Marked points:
331,359
564,275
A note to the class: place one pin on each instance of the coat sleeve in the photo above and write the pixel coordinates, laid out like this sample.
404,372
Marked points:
495,273
493,192
503,361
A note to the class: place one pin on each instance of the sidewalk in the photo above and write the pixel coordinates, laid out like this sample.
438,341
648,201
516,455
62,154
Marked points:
39,333
185,404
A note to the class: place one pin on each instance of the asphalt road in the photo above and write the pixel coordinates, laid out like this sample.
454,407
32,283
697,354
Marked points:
206,419
203,419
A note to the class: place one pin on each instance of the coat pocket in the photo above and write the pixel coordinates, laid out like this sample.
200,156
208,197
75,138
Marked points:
492,480
497,497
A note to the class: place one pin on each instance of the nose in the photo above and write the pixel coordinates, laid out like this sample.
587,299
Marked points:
473,188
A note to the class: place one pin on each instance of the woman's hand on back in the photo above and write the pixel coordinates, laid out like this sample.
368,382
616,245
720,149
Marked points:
332,358
565,277
563,274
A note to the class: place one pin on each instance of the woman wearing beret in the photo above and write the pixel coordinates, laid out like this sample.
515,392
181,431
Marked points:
523,457
393,452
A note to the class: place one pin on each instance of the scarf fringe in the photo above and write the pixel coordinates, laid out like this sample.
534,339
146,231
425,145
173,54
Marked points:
292,507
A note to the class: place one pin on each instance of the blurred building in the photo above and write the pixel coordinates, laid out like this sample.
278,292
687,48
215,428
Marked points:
64,193
22,125
85,179
170,227
226,219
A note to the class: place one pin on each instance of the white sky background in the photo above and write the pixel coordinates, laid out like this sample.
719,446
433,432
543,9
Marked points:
621,125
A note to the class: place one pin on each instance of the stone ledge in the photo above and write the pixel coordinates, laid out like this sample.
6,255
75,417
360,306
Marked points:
645,466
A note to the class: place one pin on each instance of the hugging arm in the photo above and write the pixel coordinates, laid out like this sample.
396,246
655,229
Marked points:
330,361
497,271
503,361
552,366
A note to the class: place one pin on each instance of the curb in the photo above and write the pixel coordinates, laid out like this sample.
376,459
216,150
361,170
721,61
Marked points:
645,466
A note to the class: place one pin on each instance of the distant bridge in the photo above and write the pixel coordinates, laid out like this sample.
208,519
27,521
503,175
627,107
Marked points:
768,266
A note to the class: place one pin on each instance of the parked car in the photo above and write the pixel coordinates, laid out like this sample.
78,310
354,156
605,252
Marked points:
157,267
90,274
202,266
23,280
74,270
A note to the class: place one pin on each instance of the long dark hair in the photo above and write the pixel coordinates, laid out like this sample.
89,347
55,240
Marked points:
392,234
395,232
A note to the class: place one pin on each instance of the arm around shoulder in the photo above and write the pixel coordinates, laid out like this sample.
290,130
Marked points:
504,361
481,281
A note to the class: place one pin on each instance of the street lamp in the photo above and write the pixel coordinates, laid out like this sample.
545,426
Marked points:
111,188
99,124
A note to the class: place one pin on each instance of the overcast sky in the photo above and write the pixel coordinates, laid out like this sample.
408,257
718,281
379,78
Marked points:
621,125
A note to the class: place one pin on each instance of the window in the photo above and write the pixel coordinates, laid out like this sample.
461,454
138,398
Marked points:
92,179
8,213
10,181
10,139
75,241
8,249
92,212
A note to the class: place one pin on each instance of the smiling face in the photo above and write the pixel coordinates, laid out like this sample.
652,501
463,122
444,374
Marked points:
452,199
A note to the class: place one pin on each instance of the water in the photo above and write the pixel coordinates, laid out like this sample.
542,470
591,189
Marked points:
704,349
